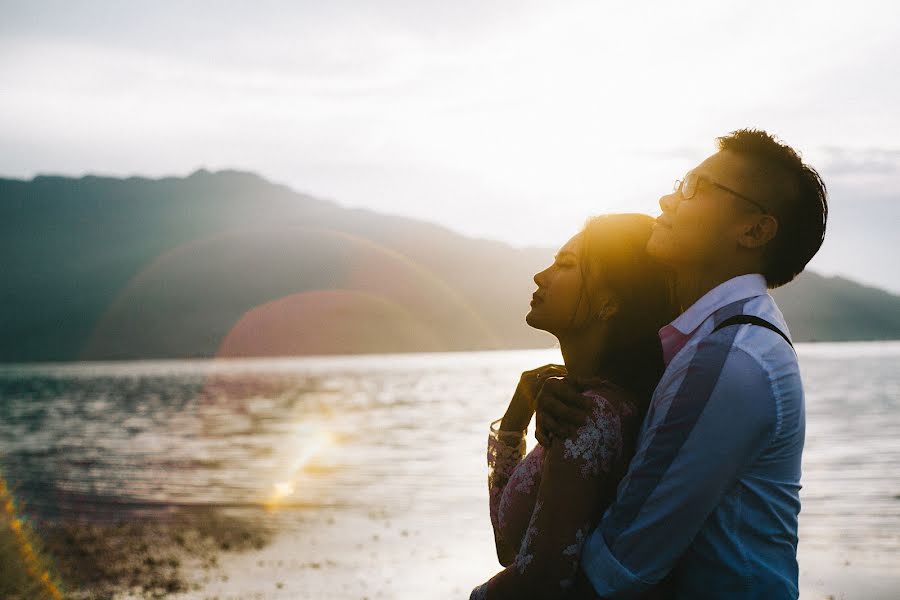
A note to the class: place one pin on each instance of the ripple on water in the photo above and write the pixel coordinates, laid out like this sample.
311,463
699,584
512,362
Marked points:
405,434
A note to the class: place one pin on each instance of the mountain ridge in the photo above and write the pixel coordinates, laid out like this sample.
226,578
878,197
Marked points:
121,268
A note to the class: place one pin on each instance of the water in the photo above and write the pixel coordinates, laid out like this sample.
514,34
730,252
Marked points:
372,467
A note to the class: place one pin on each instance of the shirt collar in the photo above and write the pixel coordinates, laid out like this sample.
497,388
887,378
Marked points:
736,288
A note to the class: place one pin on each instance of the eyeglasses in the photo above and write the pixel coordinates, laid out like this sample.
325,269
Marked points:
688,189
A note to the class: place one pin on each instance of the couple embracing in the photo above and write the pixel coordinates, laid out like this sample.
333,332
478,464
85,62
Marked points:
668,463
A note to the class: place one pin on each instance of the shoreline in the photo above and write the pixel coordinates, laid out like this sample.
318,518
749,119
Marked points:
327,552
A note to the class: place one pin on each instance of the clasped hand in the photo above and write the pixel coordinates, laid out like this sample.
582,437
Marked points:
556,400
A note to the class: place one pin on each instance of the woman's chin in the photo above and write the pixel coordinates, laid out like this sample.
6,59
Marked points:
535,321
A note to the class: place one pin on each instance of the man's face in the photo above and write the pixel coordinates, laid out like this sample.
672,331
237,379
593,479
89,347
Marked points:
703,230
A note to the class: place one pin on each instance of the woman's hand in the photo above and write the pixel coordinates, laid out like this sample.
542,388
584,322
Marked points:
561,409
522,406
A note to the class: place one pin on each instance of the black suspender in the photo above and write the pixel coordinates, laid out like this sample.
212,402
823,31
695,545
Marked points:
750,320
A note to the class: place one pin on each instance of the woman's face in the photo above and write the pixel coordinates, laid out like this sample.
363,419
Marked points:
556,303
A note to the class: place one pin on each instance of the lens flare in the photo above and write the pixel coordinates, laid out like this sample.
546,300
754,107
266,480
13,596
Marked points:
309,449
35,566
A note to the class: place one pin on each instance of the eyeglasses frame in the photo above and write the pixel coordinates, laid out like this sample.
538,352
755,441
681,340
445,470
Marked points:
679,184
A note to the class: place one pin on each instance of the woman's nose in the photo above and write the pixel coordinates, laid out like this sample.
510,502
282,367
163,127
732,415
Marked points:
539,277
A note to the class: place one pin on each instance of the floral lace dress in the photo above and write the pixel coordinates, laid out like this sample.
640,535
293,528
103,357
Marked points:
543,505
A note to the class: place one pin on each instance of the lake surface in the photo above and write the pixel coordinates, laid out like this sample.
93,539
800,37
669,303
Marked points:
372,468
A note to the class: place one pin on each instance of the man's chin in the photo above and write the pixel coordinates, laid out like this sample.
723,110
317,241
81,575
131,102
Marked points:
659,248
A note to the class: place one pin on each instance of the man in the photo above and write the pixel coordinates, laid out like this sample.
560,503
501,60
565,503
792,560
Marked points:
711,498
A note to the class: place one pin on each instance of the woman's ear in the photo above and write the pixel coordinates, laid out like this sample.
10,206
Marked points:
606,307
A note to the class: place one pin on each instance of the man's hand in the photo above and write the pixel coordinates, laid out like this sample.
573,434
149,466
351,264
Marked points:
561,409
522,406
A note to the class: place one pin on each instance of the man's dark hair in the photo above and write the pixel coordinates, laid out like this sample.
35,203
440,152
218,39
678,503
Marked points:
801,209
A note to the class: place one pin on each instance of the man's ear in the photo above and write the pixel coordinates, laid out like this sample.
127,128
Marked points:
759,233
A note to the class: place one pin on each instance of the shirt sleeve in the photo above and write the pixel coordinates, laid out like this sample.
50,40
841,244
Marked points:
578,475
718,421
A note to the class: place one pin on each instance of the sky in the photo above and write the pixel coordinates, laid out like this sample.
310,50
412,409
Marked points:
504,120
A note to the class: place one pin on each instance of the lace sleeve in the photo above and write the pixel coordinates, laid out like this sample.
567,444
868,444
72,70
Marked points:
505,450
578,480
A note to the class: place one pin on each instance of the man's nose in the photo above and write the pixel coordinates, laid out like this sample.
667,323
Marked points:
669,202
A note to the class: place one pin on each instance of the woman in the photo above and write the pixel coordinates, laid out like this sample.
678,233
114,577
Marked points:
604,300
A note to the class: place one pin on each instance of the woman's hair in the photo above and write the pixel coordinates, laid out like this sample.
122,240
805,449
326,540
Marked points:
613,258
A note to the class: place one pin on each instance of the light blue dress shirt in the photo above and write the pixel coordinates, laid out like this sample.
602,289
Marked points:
712,493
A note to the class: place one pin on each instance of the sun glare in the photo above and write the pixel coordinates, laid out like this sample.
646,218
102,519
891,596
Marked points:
309,448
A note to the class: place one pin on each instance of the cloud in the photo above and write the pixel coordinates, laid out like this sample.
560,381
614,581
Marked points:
842,162
510,123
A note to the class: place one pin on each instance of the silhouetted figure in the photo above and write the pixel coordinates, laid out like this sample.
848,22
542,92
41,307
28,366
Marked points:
711,498
604,299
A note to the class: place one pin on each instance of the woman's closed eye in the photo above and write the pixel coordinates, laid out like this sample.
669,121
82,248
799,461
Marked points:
564,261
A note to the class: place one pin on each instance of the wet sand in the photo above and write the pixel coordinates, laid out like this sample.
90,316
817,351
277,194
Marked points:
329,553
149,556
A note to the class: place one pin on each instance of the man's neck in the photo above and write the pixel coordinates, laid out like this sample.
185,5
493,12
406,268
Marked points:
693,284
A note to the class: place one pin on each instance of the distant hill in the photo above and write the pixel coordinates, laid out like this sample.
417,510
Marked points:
836,309
228,264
